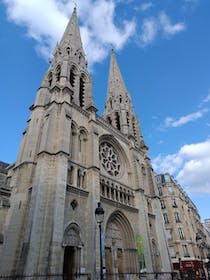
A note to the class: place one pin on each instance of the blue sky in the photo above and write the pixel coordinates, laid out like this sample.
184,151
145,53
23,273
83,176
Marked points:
163,50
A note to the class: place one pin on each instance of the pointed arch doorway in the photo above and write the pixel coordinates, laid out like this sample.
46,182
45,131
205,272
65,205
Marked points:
120,247
72,252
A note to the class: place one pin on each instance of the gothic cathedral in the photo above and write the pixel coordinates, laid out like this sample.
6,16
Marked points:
69,160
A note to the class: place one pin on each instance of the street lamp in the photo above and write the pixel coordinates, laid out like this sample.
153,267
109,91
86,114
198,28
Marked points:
99,213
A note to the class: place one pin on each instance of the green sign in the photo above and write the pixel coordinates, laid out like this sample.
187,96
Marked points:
140,249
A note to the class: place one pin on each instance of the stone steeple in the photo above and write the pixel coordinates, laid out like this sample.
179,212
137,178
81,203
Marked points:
68,69
118,108
71,37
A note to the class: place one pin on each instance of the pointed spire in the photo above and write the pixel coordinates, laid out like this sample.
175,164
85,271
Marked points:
68,69
71,37
118,108
116,84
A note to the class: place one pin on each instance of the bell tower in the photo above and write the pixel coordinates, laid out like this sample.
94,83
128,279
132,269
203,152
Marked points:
36,220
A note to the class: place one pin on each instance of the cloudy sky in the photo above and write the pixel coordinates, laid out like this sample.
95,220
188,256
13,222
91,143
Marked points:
163,50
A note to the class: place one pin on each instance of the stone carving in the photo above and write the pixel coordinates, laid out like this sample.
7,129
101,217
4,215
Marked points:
109,159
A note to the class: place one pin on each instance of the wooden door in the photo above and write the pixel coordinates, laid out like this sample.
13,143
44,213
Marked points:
120,263
108,257
69,263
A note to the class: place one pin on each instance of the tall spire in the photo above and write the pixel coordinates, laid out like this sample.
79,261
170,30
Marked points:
116,84
71,37
118,108
68,68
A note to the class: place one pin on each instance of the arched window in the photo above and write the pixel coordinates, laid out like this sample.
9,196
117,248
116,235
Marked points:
73,141
58,73
72,76
111,103
50,79
134,129
128,119
68,50
117,117
82,146
70,176
109,120
82,91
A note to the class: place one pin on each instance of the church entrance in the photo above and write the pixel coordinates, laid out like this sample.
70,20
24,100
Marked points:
72,252
120,249
69,263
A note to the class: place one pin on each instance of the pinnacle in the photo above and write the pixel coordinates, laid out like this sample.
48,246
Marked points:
116,84
71,37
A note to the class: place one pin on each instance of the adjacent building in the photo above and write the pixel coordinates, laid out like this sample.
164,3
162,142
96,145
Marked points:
187,238
207,224
70,159
5,193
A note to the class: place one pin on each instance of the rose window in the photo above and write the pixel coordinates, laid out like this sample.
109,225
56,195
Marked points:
109,159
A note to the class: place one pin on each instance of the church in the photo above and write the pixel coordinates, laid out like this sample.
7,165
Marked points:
70,161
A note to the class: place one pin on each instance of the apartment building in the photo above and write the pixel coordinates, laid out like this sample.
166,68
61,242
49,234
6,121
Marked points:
188,239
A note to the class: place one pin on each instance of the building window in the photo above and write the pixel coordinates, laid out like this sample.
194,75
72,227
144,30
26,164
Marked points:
160,191
165,217
162,202
172,252
185,251
158,179
173,202
50,78
177,217
134,129
72,76
58,73
82,92
181,233
167,178
117,119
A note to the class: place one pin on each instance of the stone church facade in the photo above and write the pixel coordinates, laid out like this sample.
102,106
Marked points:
69,160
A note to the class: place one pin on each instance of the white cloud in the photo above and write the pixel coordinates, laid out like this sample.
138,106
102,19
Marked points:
168,28
169,121
160,25
145,6
149,31
205,100
190,165
46,21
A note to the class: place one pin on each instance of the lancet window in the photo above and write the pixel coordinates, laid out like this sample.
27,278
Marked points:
82,146
128,119
76,176
73,141
134,129
109,120
68,50
82,91
70,176
72,76
58,73
50,78
117,118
